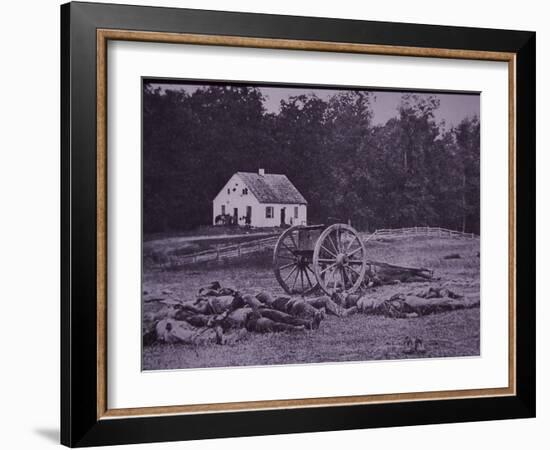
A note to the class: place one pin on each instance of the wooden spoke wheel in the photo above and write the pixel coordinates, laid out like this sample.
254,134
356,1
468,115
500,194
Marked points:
293,265
339,259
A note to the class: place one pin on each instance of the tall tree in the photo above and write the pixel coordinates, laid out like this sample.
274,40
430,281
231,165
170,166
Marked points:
468,141
300,151
349,157
216,130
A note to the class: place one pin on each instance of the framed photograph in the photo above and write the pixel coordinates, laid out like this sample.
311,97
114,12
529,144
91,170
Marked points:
276,224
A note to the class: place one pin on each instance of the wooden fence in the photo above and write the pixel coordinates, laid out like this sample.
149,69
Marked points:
422,231
228,252
223,253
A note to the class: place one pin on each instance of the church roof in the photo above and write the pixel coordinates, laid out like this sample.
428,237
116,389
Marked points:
272,188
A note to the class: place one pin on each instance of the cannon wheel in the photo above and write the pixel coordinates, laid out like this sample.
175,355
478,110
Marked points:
292,266
339,259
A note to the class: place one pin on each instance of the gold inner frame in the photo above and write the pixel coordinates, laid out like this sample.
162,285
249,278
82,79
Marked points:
104,35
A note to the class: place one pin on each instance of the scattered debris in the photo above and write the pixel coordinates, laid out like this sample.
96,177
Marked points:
409,346
419,346
413,346
452,256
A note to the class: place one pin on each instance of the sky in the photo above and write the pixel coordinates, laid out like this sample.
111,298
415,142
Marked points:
453,106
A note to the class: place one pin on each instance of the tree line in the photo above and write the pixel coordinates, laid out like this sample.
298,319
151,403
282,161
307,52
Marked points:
410,171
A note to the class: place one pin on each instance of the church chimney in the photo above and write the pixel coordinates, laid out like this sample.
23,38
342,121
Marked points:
261,172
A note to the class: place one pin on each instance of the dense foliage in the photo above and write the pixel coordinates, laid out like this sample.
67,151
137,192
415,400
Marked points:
410,171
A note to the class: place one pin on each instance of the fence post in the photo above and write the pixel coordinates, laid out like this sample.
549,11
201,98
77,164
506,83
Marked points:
239,250
217,252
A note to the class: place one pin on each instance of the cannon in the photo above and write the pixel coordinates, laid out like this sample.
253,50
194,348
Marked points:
308,257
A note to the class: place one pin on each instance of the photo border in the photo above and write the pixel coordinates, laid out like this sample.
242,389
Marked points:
104,36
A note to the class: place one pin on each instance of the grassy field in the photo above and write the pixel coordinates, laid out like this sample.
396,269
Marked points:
354,338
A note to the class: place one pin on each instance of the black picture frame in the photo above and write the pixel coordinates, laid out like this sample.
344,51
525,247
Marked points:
80,425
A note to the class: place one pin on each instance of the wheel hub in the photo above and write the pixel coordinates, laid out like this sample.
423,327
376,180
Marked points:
341,259
301,261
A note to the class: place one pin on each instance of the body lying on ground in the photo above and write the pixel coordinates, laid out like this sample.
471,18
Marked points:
257,322
306,308
212,319
412,304
220,315
171,331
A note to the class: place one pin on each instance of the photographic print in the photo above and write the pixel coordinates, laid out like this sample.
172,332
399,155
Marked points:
297,224
303,209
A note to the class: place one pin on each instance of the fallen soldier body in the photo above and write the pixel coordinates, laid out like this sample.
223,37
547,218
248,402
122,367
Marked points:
306,308
172,331
281,317
333,305
293,306
255,322
213,304
299,314
278,320
178,331
401,305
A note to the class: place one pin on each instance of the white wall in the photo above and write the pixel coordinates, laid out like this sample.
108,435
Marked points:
234,199
30,224
259,218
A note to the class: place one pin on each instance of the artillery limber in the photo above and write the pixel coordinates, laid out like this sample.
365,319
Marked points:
332,258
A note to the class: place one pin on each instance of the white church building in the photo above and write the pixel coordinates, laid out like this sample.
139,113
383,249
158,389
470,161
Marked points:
259,200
